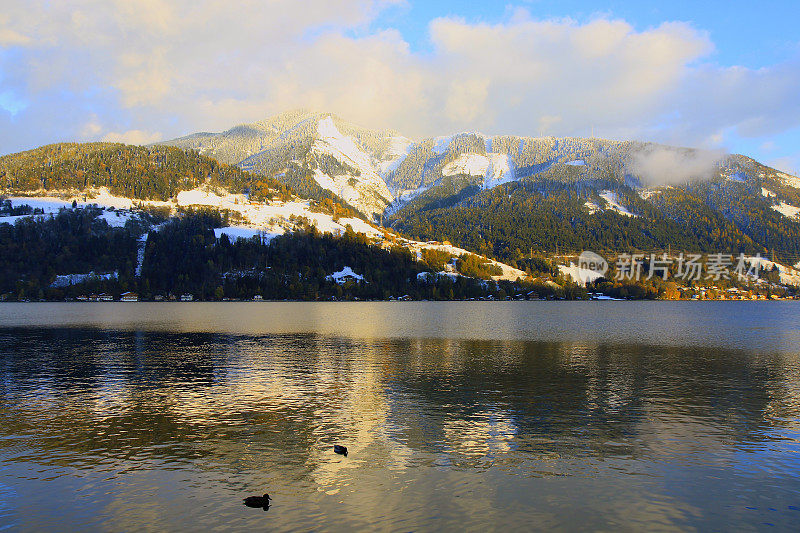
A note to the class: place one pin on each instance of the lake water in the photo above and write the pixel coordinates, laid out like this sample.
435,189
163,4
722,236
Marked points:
458,416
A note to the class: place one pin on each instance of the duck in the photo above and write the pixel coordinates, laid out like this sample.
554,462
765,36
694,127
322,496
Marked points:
341,450
258,501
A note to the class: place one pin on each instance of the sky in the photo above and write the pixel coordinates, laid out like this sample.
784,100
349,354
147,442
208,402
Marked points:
715,75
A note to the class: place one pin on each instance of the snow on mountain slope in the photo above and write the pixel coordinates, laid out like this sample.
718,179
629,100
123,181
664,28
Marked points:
272,217
501,170
787,275
399,148
469,164
332,142
613,203
364,189
787,210
313,140
369,168
791,181
592,207
493,168
116,208
268,220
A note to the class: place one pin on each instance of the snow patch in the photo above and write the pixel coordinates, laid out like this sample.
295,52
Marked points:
13,220
509,273
402,197
116,219
646,194
766,193
613,203
470,164
787,275
399,148
103,199
140,247
576,163
275,217
341,147
593,207
47,204
495,169
791,181
501,170
199,197
787,210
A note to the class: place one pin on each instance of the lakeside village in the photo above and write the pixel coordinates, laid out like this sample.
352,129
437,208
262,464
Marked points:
626,280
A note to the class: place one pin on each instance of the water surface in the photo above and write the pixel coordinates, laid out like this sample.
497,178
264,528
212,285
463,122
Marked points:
543,415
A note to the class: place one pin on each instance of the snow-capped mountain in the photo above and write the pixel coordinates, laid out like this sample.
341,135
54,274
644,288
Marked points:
504,197
345,159
381,172
580,191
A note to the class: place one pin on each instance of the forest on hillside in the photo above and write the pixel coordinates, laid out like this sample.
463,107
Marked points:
185,256
139,172
516,220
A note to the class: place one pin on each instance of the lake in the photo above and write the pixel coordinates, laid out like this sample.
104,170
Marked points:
654,416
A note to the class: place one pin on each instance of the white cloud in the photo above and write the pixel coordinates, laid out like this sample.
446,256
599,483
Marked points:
662,165
182,66
91,129
133,137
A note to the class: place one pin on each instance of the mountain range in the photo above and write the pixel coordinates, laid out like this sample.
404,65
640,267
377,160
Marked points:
473,189
501,208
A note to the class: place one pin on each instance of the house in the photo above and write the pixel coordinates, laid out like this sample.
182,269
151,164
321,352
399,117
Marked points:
258,298
106,297
344,275
159,298
129,297
82,298
187,297
94,298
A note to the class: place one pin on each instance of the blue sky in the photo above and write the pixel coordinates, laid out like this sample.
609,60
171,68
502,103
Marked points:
752,34
708,74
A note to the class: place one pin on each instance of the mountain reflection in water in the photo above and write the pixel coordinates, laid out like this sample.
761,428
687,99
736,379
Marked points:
135,429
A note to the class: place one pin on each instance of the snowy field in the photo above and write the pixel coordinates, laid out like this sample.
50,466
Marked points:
51,205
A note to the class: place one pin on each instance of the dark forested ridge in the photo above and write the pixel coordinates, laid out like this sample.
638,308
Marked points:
511,220
75,252
34,250
184,256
